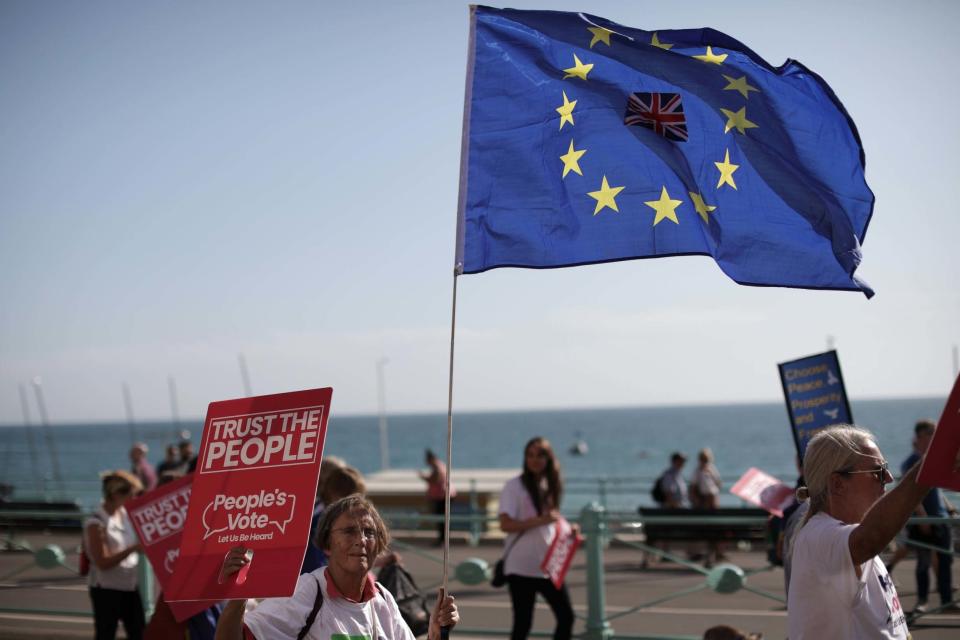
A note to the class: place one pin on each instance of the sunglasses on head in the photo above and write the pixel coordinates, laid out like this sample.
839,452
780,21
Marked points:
880,473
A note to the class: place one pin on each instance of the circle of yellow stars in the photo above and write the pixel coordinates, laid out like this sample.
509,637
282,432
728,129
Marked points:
665,207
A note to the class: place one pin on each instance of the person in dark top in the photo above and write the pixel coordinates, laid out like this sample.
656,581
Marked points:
934,505
169,462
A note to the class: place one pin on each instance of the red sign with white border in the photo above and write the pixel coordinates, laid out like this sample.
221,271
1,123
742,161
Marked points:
557,560
763,490
937,469
254,486
158,517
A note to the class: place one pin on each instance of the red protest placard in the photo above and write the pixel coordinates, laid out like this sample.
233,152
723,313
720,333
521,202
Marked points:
158,517
763,490
937,469
560,554
255,484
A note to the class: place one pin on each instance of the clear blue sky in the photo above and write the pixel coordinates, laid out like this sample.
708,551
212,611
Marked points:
181,182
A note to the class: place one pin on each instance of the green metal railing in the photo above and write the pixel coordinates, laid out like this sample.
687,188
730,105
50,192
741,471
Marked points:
597,525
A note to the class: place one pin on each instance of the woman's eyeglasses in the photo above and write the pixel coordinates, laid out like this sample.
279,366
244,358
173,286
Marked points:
880,473
367,533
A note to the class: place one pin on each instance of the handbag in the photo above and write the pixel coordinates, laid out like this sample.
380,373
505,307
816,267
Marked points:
499,577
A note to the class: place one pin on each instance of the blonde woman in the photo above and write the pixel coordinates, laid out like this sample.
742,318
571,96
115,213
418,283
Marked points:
839,587
110,542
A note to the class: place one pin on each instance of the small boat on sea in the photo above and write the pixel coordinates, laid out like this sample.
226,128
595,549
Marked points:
579,446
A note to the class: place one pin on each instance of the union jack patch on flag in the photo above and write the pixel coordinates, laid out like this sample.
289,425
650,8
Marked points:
662,112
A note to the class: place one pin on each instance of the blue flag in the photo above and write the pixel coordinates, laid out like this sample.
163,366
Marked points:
587,142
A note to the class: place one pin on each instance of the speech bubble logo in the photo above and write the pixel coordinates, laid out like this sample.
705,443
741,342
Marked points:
282,525
249,514
170,559
208,514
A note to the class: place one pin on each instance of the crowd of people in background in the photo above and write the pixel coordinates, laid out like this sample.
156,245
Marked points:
829,542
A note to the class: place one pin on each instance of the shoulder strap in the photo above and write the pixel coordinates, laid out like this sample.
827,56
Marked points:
317,603
513,542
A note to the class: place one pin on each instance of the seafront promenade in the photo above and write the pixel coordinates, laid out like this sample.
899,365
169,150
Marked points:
53,603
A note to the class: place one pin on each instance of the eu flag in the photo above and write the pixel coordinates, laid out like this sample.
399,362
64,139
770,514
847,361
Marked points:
586,141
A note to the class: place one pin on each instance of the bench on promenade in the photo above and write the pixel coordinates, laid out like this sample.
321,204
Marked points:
725,524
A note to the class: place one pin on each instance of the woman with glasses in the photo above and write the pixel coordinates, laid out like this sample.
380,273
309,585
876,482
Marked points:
339,600
839,588
529,510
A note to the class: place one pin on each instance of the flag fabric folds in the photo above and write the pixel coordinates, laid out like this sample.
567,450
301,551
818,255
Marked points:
586,142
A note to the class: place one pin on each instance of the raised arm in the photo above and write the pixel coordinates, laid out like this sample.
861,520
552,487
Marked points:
886,517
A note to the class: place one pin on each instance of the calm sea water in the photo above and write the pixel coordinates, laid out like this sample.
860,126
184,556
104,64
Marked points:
629,443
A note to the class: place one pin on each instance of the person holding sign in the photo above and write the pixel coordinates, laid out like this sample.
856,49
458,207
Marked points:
339,600
111,544
529,511
839,587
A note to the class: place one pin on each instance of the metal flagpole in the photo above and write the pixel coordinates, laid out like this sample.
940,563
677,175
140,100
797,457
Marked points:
446,512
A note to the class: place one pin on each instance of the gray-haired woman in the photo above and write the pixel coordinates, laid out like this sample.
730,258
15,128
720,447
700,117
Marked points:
839,588
340,599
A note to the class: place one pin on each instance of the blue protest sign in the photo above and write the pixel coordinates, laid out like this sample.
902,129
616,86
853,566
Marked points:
815,395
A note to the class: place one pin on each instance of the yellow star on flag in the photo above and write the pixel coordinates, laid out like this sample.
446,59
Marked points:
740,84
599,35
737,121
605,197
655,41
712,57
571,162
702,207
726,171
665,207
566,110
578,70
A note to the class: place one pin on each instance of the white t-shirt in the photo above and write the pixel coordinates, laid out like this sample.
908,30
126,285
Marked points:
827,600
120,534
527,553
339,619
707,480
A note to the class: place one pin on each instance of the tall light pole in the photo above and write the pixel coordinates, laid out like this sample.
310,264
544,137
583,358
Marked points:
382,410
128,408
174,406
31,446
244,375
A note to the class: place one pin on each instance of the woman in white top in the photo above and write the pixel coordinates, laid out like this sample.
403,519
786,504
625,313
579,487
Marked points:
839,588
340,600
111,544
706,484
529,507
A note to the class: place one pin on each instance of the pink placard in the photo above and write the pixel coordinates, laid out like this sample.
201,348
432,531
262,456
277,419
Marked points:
763,490
557,560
